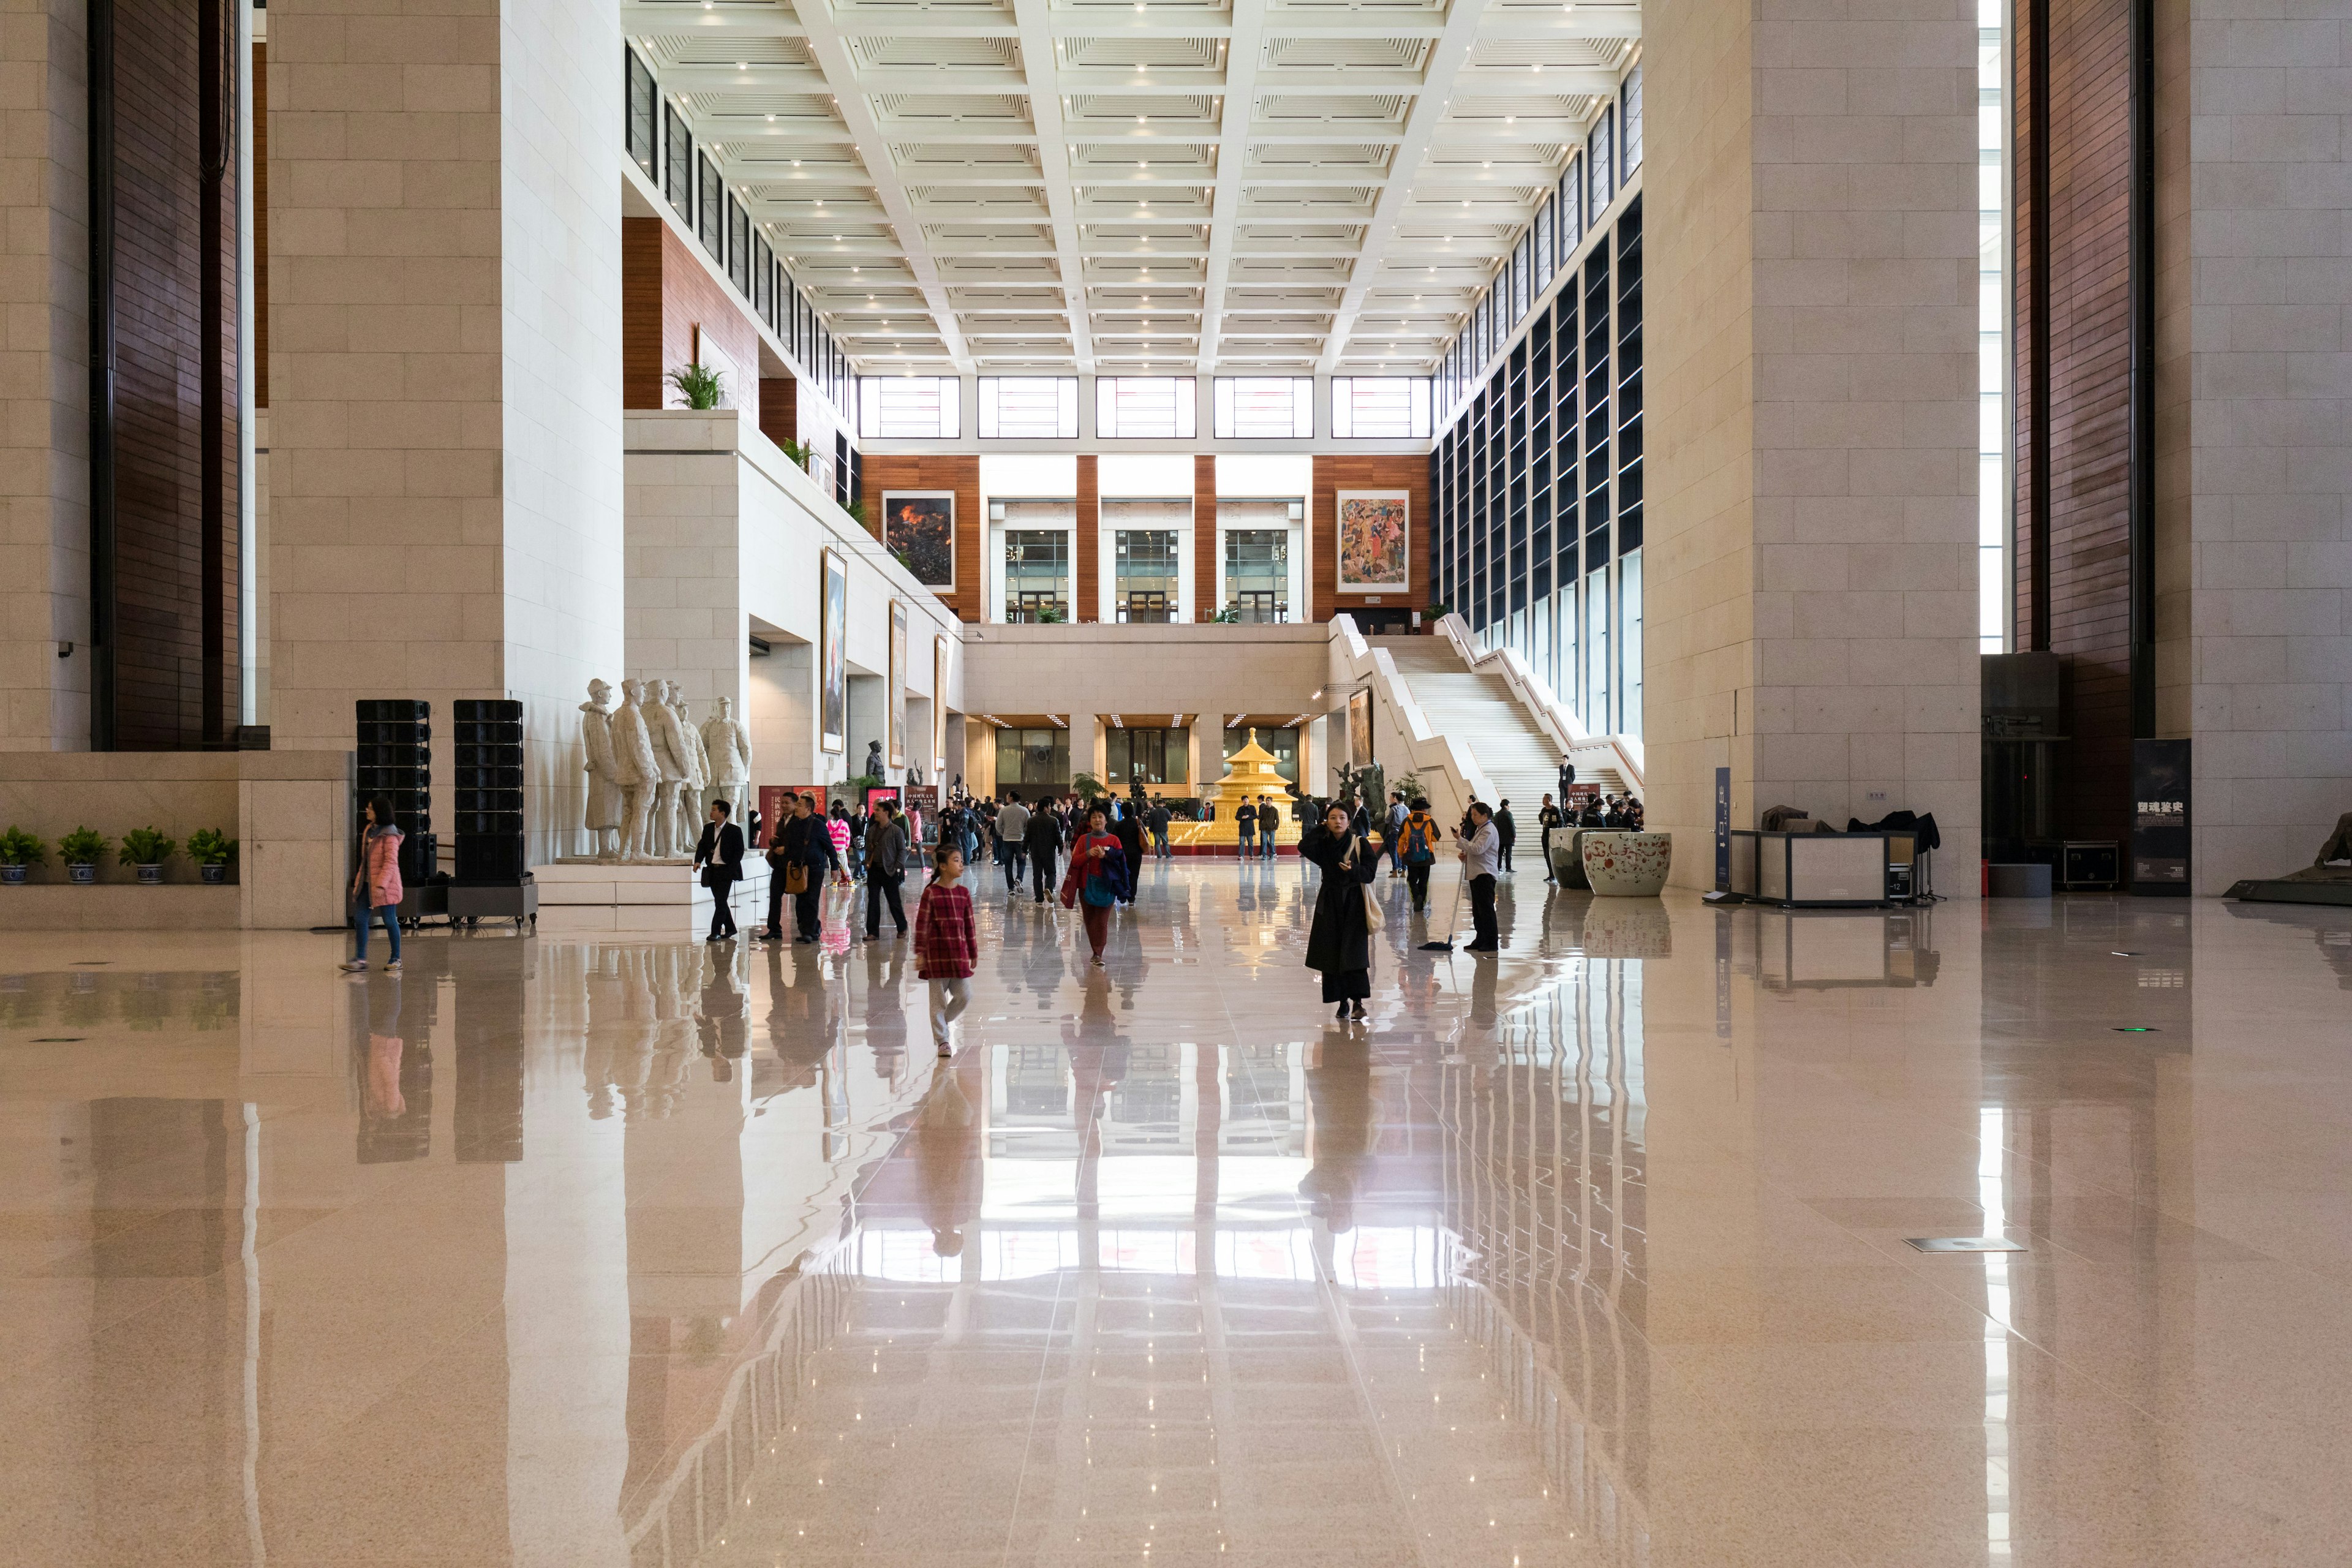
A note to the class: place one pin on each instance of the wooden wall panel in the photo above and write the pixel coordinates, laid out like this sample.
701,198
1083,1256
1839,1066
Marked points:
666,294
176,511
1085,565
1205,604
959,473
1334,473
261,225
2083,530
780,413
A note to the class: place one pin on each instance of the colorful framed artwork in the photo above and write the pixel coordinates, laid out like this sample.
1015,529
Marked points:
1374,542
832,658
1359,729
918,527
897,749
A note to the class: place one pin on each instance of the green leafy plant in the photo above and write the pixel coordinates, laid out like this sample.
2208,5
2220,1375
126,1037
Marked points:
1049,615
1228,616
700,385
854,789
146,847
798,451
209,847
1434,612
19,847
856,511
1089,787
83,847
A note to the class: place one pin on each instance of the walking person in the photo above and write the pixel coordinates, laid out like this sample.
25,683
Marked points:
860,819
1548,817
837,829
1340,942
1397,812
1130,842
718,855
1269,823
1156,819
1417,846
375,887
1246,823
885,869
1507,833
796,863
1012,833
947,947
1043,841
1480,849
1097,879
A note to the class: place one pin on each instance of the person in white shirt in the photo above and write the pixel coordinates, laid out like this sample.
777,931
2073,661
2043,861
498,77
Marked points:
1480,849
1012,836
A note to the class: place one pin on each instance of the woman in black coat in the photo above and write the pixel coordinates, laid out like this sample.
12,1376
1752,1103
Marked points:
1339,944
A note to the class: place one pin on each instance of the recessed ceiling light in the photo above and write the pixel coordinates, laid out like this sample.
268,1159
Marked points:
771,119
742,65
1510,120
796,162
1536,67
1488,164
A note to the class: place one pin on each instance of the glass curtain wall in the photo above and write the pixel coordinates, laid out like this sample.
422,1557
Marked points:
1036,574
1160,756
1147,580
1257,575
1029,760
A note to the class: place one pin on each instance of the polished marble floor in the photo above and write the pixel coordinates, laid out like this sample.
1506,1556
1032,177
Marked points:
575,1252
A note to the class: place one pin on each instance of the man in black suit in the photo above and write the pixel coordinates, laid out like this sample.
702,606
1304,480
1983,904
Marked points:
721,856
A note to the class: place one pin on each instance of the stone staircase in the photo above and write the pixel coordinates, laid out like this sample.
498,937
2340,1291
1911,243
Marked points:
1481,714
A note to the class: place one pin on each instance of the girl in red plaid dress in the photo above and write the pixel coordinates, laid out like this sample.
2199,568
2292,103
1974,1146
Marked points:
947,949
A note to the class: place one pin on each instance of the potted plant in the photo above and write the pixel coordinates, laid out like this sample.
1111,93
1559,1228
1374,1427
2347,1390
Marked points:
856,511
19,849
144,850
80,850
212,852
700,385
797,451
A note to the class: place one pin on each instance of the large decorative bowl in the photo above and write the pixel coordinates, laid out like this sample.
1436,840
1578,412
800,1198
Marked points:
1566,861
1627,865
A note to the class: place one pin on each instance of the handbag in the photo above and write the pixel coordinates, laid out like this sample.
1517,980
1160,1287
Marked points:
796,878
1375,918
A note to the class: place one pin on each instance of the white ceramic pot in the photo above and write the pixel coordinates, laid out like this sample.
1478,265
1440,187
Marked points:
1627,865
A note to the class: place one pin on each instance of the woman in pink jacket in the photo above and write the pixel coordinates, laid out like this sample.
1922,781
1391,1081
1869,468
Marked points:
375,887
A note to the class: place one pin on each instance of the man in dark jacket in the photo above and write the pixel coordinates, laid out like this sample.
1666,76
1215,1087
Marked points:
802,841
1044,841
885,869
720,857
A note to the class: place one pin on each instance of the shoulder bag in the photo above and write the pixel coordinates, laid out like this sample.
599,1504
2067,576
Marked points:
1374,916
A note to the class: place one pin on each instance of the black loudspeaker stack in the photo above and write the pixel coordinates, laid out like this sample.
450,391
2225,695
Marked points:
395,760
489,791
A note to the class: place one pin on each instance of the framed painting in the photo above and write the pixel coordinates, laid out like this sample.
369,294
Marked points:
918,527
1359,729
1374,542
832,658
897,750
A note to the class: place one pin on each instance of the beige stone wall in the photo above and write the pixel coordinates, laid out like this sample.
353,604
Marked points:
44,378
444,331
1810,576
2256,425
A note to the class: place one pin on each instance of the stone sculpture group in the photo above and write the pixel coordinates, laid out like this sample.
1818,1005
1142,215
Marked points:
651,775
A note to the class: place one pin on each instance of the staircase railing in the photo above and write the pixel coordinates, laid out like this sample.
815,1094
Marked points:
1449,774
1559,722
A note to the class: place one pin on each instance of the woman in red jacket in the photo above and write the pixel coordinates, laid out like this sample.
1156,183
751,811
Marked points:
1098,878
947,949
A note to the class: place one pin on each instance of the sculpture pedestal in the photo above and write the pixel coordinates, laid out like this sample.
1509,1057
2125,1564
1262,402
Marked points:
2312,885
647,898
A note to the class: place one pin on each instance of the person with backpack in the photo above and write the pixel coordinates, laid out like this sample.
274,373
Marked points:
1417,848
1393,824
1547,819
1098,878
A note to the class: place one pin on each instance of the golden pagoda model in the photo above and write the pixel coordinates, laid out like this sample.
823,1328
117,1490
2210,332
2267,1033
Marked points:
1251,775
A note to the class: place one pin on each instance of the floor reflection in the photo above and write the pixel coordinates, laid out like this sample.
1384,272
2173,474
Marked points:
582,1252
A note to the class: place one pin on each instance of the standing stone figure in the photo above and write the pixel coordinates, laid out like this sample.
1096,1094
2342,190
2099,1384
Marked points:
730,746
687,820
602,819
638,770
874,767
670,751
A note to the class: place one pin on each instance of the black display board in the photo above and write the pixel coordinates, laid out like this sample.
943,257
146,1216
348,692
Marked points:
2161,804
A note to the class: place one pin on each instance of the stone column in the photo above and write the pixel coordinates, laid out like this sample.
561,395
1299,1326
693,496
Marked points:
44,381
2254,448
1810,570
444,322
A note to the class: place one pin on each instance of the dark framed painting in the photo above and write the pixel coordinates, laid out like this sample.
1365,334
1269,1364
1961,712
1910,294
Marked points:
918,527
832,658
1359,729
897,750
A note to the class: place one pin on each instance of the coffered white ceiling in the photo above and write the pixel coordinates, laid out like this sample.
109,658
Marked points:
1145,187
